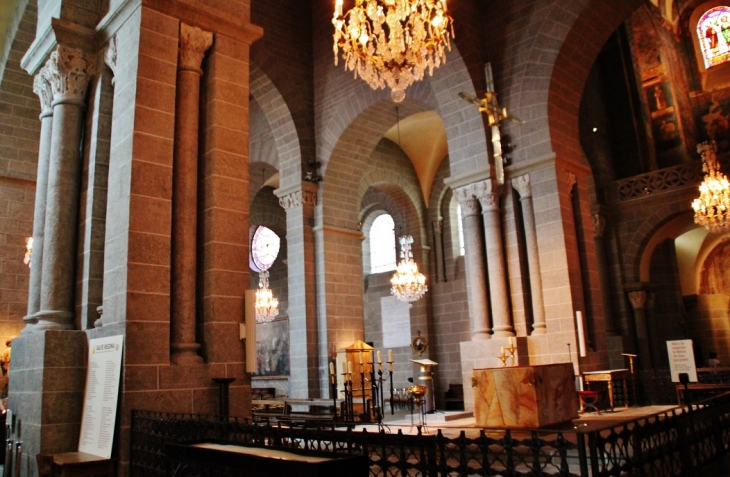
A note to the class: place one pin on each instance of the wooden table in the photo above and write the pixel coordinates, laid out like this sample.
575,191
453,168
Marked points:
608,376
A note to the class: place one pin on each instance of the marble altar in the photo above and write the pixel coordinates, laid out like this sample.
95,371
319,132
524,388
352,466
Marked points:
525,396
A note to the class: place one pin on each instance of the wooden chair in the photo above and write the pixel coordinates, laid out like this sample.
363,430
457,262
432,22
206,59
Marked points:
588,400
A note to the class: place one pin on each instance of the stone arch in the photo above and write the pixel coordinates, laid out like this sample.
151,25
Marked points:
282,126
354,101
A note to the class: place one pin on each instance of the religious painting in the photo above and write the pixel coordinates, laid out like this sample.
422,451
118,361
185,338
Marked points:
272,348
714,119
666,133
659,98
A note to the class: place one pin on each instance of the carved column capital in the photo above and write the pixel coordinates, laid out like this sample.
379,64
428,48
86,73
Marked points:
570,181
68,71
298,199
522,186
638,299
110,55
469,204
599,225
438,226
43,89
194,42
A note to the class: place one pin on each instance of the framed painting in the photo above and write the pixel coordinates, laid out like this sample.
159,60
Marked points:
272,348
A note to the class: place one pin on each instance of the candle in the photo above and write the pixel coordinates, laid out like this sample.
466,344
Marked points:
380,358
332,368
390,355
581,334
510,342
502,351
360,357
349,367
371,357
344,367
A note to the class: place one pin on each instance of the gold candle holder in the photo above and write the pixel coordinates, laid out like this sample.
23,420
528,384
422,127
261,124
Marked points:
512,350
503,358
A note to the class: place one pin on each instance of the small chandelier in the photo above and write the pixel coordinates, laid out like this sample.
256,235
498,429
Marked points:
408,284
712,208
267,307
393,42
28,250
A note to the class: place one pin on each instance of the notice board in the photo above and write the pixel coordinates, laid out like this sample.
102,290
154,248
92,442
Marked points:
101,396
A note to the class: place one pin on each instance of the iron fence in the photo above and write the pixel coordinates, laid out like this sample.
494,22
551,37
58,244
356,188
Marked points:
669,444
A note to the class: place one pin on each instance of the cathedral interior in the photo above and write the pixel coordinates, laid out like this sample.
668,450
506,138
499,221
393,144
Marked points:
154,149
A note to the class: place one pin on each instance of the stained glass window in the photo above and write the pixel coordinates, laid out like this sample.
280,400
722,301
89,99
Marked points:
713,31
264,248
382,244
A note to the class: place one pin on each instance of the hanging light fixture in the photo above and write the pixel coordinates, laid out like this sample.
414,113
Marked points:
408,284
267,307
392,42
712,208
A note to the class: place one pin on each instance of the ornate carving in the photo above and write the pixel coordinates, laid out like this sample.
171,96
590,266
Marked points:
42,88
194,42
298,199
570,181
68,71
469,204
437,226
599,225
654,182
637,299
110,55
522,185
490,202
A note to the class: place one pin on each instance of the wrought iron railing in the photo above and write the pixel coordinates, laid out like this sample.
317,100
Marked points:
673,443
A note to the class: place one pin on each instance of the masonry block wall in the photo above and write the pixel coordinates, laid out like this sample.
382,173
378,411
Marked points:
19,137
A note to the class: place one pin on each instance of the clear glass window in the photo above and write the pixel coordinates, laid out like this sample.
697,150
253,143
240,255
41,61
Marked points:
460,227
382,244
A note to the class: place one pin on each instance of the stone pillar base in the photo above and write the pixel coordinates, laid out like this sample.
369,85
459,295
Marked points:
53,320
47,381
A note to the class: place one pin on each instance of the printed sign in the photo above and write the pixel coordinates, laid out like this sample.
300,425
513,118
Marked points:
102,393
396,322
681,359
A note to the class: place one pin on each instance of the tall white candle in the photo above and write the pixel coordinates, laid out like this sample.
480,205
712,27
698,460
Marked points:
581,334
390,355
349,367
332,368
380,358
361,357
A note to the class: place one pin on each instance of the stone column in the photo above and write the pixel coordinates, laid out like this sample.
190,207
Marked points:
309,353
522,185
438,242
42,88
68,71
599,227
489,198
638,299
481,327
193,44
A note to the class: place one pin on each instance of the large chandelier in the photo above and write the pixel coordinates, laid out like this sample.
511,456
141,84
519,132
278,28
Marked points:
267,307
393,42
712,208
408,284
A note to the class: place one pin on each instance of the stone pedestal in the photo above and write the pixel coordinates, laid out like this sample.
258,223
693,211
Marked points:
47,382
525,396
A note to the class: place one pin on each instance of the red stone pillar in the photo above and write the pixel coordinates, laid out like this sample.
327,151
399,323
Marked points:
193,44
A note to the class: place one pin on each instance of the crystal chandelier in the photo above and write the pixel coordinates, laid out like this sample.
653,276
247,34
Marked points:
393,42
28,251
267,307
408,284
712,208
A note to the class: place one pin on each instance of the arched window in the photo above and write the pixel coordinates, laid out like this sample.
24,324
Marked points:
382,244
264,248
460,227
713,31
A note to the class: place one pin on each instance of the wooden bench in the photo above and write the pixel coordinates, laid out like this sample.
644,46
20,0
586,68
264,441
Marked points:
700,392
74,464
